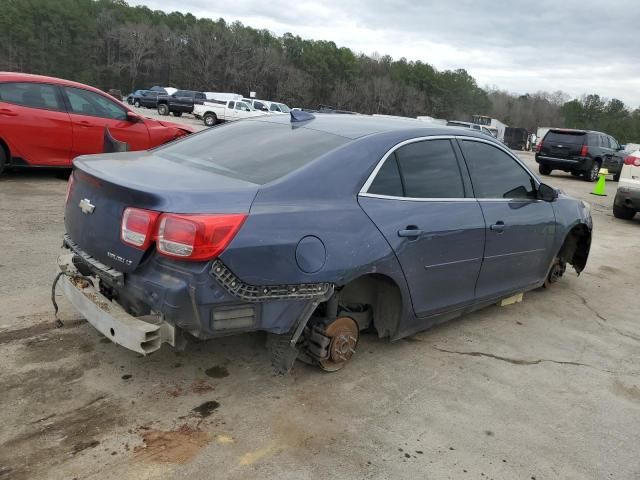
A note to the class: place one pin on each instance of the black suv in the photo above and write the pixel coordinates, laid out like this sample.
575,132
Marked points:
143,98
581,152
180,102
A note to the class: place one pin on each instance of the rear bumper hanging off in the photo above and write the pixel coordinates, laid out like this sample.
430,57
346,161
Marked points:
139,334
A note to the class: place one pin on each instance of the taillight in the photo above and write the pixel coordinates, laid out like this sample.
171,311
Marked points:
197,237
631,160
584,151
539,146
69,188
138,227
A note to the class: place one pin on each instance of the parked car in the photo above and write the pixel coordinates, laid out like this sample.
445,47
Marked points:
473,126
145,98
260,105
267,105
164,90
249,227
46,121
213,112
179,102
277,107
581,152
627,200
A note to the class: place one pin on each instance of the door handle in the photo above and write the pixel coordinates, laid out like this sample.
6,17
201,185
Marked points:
7,112
410,232
497,227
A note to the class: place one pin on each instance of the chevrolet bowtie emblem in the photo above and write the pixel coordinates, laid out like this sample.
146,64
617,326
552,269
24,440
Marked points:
86,206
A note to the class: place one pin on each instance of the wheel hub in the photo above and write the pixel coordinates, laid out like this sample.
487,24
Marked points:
343,332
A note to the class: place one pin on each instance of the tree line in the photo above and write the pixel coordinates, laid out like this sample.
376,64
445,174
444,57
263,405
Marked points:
109,44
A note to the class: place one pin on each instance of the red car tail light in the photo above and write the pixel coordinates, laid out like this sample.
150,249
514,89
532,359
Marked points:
631,160
138,227
197,237
69,188
584,151
539,146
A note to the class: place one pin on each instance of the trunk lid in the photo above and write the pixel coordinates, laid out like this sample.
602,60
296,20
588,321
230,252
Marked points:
104,185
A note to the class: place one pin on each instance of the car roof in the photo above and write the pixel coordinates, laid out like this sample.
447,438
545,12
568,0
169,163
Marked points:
28,77
356,126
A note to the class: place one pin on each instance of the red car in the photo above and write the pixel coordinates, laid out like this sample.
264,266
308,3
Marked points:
47,122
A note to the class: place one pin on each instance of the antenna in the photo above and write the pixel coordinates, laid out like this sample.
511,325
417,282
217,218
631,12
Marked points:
301,116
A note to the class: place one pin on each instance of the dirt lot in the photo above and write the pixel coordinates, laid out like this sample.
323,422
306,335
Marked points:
545,389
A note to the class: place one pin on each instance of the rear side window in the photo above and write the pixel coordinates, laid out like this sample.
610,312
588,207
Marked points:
426,169
495,174
387,181
429,169
34,95
573,138
273,150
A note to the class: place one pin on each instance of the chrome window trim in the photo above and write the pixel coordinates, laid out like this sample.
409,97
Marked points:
364,191
374,173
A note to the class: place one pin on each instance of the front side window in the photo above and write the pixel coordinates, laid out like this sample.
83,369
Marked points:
426,169
614,143
274,108
495,174
33,95
84,102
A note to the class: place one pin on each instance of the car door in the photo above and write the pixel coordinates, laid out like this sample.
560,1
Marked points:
421,203
230,112
92,113
35,124
607,153
520,227
241,111
617,156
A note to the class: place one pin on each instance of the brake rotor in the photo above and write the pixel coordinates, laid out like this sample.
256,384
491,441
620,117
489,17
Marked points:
344,333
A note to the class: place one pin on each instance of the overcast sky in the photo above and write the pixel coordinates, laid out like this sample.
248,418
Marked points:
570,45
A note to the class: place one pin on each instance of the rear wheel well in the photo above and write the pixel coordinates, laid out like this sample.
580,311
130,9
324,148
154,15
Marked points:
381,294
575,248
5,147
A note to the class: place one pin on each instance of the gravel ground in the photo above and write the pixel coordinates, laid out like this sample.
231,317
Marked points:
548,388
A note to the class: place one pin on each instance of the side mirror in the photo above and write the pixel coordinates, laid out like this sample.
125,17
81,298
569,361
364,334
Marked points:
134,117
547,193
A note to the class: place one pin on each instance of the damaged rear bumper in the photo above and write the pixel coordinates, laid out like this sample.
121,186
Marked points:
140,334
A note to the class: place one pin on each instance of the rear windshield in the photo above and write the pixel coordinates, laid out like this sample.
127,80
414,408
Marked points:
566,137
256,152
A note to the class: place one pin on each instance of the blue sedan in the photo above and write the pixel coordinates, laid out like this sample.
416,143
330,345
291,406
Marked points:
311,228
